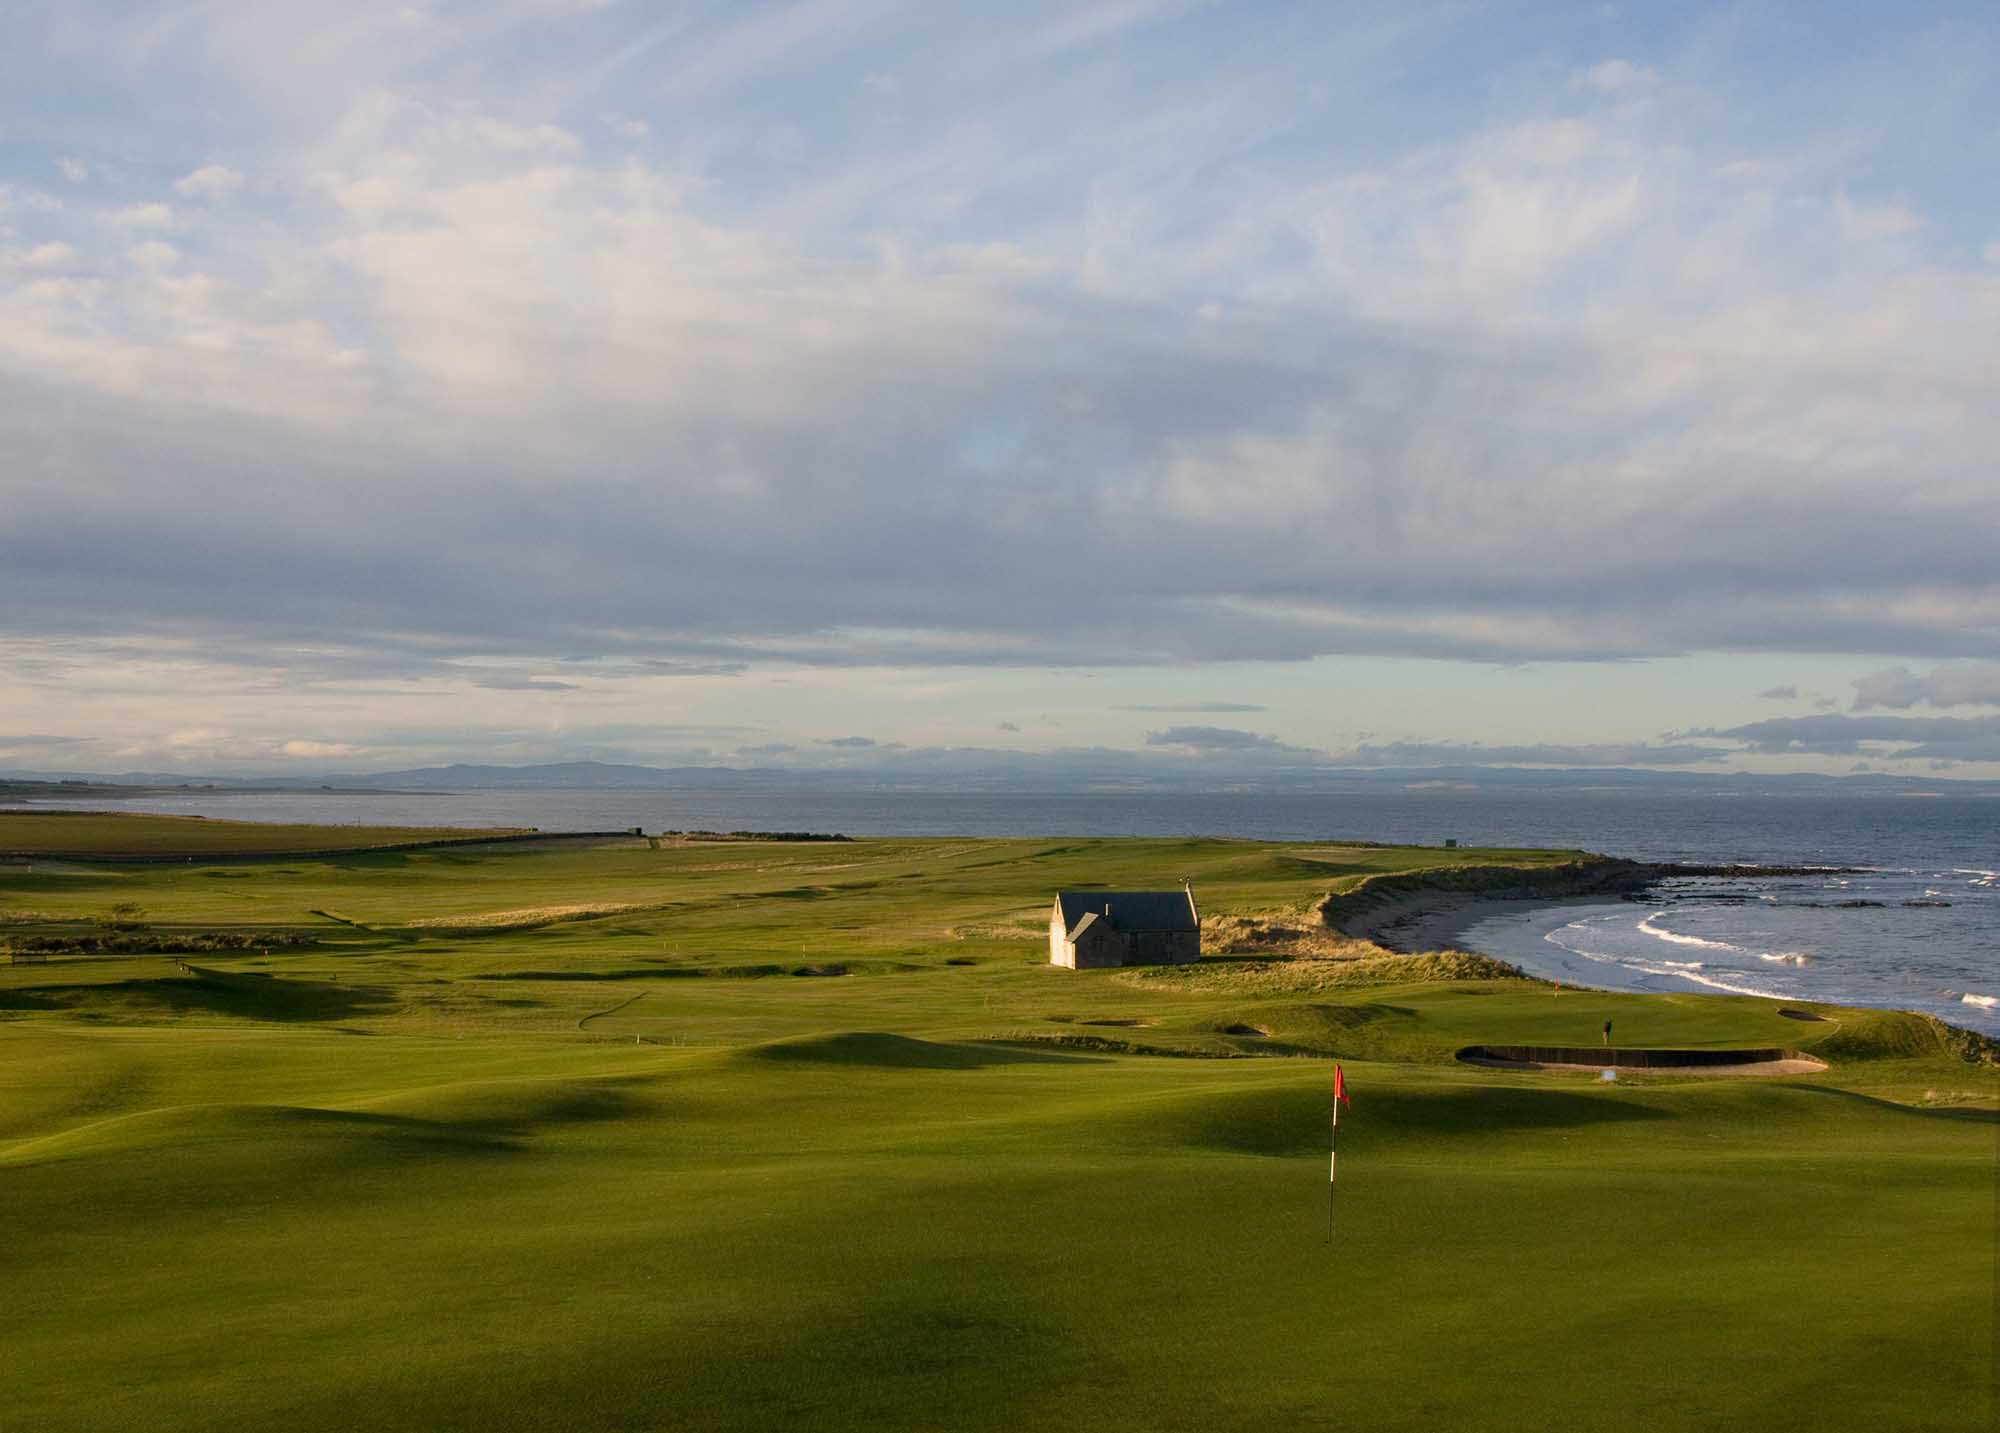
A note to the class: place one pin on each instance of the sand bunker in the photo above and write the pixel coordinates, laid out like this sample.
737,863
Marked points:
1769,1061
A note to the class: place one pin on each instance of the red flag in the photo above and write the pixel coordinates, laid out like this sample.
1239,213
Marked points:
1340,1088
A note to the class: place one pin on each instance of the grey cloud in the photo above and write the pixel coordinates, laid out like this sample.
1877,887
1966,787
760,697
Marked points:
1780,694
1899,688
1010,726
1224,739
856,743
1194,708
769,748
524,684
1419,753
1952,739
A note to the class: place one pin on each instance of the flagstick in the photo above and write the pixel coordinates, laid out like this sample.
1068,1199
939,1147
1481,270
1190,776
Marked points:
1332,1157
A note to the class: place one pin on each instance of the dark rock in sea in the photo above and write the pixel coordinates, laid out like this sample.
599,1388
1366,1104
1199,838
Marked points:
1928,903
1858,905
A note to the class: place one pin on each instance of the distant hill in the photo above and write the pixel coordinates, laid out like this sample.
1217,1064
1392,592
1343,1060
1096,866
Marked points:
573,776
970,771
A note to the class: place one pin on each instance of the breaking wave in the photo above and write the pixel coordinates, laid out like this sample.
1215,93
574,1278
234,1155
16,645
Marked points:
1649,928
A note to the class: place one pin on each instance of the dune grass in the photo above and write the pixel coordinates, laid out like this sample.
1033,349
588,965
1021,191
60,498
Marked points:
638,1169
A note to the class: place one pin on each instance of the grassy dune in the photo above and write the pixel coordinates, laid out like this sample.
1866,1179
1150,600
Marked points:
811,1136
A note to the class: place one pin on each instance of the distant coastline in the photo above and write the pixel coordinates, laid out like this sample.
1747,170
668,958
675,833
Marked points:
32,792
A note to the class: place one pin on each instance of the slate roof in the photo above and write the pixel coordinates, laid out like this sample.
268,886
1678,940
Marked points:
1129,910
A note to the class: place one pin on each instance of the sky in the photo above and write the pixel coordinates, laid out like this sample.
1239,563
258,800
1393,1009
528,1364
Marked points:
1248,386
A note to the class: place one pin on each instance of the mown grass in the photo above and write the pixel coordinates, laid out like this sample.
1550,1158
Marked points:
631,1171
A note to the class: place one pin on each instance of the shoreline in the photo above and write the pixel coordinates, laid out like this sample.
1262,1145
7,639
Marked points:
1421,918
1440,920
1429,910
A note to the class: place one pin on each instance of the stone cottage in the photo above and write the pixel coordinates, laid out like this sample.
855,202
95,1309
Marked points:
1089,930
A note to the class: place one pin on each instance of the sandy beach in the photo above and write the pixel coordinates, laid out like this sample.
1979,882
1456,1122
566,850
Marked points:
1438,920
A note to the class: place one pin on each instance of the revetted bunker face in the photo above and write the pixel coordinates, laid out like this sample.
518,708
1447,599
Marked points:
1095,930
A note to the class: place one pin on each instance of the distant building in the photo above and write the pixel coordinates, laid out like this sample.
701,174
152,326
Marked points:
1090,930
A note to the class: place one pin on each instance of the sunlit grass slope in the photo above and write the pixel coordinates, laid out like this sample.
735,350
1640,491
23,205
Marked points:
742,1137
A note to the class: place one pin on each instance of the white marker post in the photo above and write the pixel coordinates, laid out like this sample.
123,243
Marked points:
1332,1166
1333,1146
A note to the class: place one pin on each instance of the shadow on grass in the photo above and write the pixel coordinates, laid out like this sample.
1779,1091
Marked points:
1294,1122
903,1052
213,992
629,972
1961,1113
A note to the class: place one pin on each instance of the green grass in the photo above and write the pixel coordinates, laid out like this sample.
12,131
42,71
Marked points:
629,1171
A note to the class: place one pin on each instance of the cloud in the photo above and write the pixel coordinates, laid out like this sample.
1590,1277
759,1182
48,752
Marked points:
51,257
1780,694
74,170
1612,77
1148,362
211,181
1419,753
317,749
1865,223
1009,726
36,741
141,216
1962,684
855,743
504,683
152,256
1949,739
1195,707
1207,739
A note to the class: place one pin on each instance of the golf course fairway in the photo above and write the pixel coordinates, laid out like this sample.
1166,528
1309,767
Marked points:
623,1135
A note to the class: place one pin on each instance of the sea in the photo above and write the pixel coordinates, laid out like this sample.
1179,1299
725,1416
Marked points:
1903,912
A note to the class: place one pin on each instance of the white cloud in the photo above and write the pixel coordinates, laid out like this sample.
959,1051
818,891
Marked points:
211,181
141,216
317,749
1867,223
153,256
1095,23
1613,77
74,170
46,258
